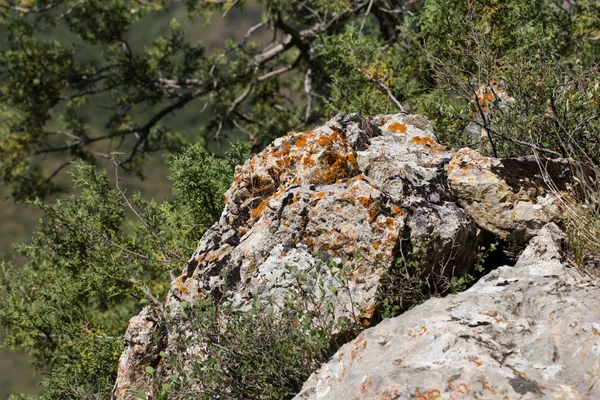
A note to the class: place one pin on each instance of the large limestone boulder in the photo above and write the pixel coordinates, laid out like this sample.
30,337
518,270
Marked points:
531,331
510,198
361,191
353,188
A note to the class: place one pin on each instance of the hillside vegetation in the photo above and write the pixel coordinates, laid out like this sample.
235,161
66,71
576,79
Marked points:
115,91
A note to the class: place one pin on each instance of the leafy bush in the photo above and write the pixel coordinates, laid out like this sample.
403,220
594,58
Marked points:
512,77
90,268
411,278
266,352
523,73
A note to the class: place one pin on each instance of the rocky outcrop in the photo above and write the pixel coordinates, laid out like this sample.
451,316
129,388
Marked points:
359,190
145,340
509,198
523,332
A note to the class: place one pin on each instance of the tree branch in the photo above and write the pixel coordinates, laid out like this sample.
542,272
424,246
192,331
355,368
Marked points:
385,89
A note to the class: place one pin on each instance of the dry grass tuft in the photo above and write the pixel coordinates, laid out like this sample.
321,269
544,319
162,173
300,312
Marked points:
581,216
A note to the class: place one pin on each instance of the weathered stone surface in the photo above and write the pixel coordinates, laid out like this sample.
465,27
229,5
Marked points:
144,341
503,200
351,188
525,332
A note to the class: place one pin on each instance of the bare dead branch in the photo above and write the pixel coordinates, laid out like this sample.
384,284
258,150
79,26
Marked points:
130,206
32,10
385,89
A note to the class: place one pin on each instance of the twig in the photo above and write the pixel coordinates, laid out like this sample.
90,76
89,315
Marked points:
130,206
30,10
308,91
485,123
362,24
148,293
386,89
516,141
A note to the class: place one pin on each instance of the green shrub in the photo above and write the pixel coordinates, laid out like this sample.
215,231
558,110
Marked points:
266,352
90,268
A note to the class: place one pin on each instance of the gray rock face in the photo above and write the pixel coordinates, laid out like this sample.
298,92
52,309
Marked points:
144,341
525,332
507,197
356,189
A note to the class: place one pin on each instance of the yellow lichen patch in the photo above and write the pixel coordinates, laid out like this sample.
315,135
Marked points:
180,285
257,212
397,210
397,127
242,231
431,145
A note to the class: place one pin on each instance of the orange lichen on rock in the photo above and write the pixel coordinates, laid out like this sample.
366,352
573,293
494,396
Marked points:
368,313
387,394
397,127
302,139
315,157
365,386
474,360
257,212
180,285
360,344
384,121
432,394
397,210
332,166
370,205
316,197
422,330
431,145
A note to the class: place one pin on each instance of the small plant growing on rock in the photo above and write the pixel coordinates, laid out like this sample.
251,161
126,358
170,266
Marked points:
266,352
403,285
582,218
411,280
